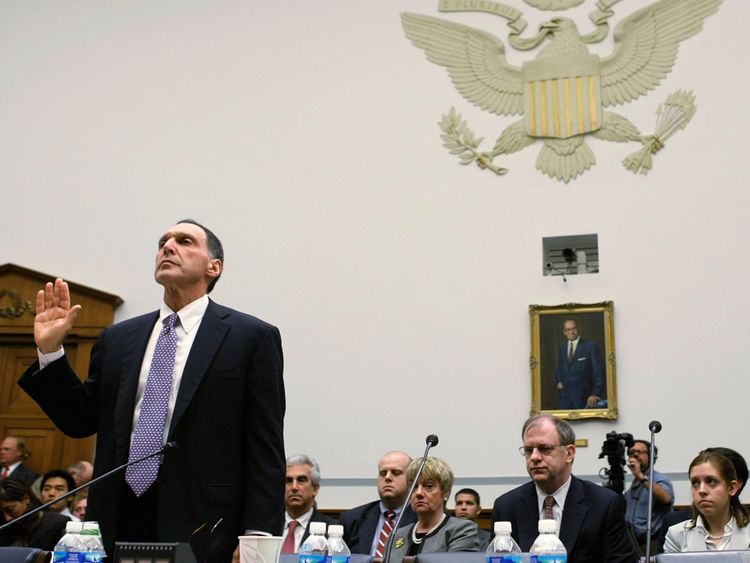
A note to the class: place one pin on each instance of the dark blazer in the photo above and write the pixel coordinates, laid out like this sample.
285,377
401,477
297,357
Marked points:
592,527
361,522
46,531
582,377
485,538
456,534
317,517
24,474
227,422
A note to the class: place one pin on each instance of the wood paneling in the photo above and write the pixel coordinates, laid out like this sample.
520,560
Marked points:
19,415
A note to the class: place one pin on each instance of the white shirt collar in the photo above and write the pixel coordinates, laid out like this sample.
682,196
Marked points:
190,315
303,520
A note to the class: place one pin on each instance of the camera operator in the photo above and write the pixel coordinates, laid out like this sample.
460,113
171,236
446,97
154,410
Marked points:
636,497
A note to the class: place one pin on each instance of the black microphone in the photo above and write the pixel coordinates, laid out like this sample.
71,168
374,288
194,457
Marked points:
432,440
654,426
166,448
553,269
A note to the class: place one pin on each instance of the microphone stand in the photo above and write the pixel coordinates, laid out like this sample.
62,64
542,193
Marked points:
431,440
168,447
655,427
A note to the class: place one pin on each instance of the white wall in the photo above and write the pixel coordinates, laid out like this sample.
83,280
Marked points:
304,134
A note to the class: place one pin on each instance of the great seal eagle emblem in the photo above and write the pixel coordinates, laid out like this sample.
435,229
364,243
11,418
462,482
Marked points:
565,92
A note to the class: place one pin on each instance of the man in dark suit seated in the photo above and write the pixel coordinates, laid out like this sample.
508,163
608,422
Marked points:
468,506
367,527
302,486
590,518
13,453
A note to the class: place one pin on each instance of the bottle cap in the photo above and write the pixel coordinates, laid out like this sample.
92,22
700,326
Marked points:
317,527
336,530
73,527
503,528
547,526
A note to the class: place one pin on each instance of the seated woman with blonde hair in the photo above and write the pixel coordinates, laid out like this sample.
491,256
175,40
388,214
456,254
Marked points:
434,531
719,522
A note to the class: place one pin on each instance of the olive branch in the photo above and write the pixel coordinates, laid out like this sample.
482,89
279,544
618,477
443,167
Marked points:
460,140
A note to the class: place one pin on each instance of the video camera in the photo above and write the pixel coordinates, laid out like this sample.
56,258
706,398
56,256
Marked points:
614,448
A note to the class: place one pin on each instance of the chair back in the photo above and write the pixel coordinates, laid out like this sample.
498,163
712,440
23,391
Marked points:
24,555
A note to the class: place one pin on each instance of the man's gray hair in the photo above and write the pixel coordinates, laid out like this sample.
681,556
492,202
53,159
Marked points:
302,459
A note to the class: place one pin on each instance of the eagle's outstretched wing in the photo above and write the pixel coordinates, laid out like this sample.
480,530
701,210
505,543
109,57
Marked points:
646,44
475,61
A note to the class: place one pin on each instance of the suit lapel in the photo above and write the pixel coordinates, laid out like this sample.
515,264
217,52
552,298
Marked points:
210,336
368,526
528,517
133,349
574,513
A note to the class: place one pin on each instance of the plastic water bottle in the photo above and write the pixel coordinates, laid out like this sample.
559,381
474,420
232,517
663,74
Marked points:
70,548
315,548
547,548
338,551
92,542
503,548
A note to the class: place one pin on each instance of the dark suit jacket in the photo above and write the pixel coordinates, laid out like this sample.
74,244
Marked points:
46,531
361,522
24,474
317,517
584,375
227,422
592,527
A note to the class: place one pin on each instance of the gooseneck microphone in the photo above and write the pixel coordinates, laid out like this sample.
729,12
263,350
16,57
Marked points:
654,426
168,447
432,441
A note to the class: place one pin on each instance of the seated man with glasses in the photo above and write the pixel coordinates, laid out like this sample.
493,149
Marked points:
636,497
590,518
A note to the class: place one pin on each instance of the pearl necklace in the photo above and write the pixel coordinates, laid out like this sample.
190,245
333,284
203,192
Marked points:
416,540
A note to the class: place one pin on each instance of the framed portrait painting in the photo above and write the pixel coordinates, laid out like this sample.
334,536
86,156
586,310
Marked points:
572,361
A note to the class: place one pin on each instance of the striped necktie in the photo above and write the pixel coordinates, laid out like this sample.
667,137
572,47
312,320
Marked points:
385,531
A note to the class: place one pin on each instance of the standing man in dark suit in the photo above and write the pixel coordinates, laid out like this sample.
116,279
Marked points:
580,371
302,486
590,518
13,453
363,525
197,373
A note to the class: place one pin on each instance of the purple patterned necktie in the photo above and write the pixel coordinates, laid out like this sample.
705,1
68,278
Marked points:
149,429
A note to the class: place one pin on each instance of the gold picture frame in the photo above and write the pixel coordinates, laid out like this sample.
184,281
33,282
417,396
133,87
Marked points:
581,385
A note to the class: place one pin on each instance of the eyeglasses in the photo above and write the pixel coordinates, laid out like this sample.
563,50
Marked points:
528,451
636,453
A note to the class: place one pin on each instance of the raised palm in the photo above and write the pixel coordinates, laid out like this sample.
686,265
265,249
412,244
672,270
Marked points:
54,316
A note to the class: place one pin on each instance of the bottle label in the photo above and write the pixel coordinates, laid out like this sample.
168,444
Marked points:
69,557
552,558
305,558
505,558
338,559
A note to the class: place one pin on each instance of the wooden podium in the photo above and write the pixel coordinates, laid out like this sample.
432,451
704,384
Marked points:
19,415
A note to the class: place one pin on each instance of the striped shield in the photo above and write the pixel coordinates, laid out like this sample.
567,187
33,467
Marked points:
562,96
